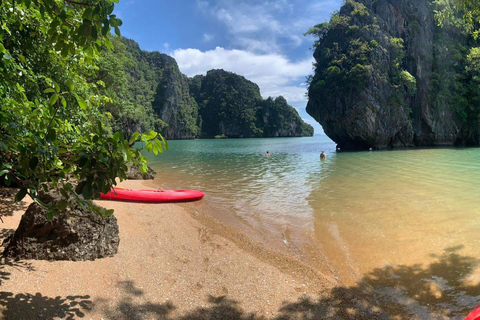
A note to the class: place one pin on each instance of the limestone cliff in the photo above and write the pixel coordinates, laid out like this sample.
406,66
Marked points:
147,91
387,76
232,106
172,103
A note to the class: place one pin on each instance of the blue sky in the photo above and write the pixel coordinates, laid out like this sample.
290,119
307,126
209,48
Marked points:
261,40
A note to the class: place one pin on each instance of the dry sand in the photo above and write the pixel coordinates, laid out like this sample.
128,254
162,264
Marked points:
172,263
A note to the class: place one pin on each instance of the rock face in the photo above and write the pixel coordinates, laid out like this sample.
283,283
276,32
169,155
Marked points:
173,103
230,105
134,173
84,236
385,77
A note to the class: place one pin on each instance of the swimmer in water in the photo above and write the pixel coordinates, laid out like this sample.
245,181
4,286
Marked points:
322,155
267,154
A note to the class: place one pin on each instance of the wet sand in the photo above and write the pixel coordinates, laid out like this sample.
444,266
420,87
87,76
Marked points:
171,264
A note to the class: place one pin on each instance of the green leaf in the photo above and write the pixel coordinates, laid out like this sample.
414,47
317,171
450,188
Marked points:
109,212
20,195
134,138
158,145
149,146
49,215
22,58
150,135
117,31
118,136
62,205
33,163
90,52
52,135
144,168
49,90
64,193
53,99
64,102
87,191
70,85
165,143
3,146
81,102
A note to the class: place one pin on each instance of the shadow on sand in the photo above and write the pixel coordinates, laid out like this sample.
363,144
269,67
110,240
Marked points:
4,233
7,203
29,306
37,306
445,289
448,288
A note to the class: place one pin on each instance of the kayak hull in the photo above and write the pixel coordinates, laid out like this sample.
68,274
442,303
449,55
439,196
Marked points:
156,196
475,314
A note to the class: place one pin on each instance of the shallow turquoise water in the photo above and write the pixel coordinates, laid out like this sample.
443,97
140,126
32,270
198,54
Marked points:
236,174
364,211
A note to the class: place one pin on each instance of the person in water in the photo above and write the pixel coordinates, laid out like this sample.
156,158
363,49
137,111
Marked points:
267,154
322,155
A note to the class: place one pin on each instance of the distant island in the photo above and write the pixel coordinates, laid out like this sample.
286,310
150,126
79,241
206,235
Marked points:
387,76
149,92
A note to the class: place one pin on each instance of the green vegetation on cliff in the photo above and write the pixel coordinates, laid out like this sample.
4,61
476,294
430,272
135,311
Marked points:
387,75
129,82
147,91
232,106
345,57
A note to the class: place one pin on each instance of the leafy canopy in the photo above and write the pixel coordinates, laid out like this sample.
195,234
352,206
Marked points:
53,133
464,14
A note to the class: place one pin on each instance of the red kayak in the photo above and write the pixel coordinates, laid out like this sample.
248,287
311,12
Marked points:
475,314
153,195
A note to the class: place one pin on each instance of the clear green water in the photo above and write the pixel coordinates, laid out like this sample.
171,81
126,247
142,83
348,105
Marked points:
364,212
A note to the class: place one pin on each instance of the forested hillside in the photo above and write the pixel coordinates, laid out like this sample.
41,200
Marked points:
232,106
148,91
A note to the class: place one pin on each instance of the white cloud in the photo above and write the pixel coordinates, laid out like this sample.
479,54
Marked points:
166,45
274,73
249,24
208,37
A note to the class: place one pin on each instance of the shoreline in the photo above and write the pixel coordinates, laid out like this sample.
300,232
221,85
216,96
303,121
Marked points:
170,264
176,261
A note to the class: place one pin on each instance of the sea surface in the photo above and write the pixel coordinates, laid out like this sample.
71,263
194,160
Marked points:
405,223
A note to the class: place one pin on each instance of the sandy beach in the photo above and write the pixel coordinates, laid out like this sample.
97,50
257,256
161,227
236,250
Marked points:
171,264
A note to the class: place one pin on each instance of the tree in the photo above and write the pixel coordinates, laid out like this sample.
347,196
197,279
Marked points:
53,134
464,14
